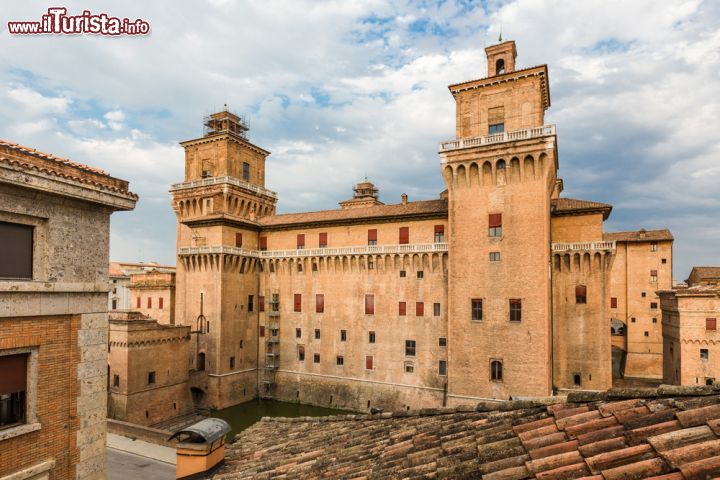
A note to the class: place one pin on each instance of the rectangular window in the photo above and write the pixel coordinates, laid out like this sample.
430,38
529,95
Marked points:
262,331
409,348
114,304
515,310
496,128
704,354
300,241
494,256
238,240
653,305
298,332
116,381
149,302
319,303
246,171
436,309
476,306
404,235
409,367
613,302
251,303
496,370
263,243
663,261
439,233
653,246
581,294
261,303
343,335
316,358
322,241
297,302
160,303
711,324
13,387
371,337
232,362
339,360
151,378
419,309
420,274
442,367
317,334
402,309
16,254
301,353
368,362
369,304
653,276
495,225
442,342
403,274
372,236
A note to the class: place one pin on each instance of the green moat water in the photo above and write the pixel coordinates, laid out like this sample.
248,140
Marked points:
245,414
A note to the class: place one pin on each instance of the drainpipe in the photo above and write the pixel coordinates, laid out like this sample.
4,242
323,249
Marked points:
257,326
552,308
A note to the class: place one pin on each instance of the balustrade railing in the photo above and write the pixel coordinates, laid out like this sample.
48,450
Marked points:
523,134
583,246
220,180
317,252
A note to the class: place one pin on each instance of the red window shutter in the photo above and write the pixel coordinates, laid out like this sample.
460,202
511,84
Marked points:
372,235
369,304
369,362
301,240
419,309
138,302
495,220
439,228
581,291
263,243
613,302
653,273
262,330
238,240
402,309
160,302
298,302
404,235
323,238
149,302
261,303
711,324
319,303
14,373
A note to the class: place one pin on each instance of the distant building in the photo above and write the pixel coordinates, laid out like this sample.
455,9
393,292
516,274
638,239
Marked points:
498,287
153,294
120,298
119,295
54,232
691,342
148,365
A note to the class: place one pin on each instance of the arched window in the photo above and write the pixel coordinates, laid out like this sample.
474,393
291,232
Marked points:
496,371
201,361
576,379
500,66
500,165
581,294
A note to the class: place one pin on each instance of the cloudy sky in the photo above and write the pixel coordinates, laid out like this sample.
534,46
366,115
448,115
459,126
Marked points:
339,90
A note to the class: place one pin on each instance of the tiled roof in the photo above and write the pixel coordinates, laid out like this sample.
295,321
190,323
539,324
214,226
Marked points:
636,236
419,208
704,273
564,206
624,434
48,163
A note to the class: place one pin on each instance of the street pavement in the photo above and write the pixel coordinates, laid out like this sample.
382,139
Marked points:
128,466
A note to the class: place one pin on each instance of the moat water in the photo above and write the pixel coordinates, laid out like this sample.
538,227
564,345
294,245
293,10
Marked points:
246,414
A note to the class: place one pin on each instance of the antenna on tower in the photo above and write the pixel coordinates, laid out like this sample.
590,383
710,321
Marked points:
500,37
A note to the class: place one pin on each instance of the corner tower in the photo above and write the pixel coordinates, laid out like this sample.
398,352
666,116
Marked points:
217,209
500,172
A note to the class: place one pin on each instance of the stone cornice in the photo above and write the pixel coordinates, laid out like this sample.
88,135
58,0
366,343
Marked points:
225,136
538,71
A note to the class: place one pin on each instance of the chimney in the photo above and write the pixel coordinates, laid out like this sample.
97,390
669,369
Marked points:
404,198
643,234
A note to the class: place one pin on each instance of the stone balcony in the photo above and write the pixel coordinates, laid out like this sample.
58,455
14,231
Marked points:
224,180
524,134
318,252
583,247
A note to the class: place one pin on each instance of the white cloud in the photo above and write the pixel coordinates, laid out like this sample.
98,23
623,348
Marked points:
31,101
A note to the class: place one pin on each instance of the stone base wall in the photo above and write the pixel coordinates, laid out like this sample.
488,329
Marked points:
644,365
228,390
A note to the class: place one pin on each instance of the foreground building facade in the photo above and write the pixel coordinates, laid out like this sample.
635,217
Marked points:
500,287
54,232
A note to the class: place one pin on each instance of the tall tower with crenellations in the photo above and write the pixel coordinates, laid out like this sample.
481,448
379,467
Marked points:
500,172
217,208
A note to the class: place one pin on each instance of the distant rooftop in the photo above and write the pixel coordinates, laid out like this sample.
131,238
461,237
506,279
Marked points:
641,235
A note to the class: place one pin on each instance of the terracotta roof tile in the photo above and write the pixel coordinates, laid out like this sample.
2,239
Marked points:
637,236
564,206
616,440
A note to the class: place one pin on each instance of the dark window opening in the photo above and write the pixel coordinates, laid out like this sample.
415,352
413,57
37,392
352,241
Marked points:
343,335
410,348
151,378
442,367
232,362
581,294
515,310
301,353
496,128
436,309
246,171
500,66
201,361
116,381
442,341
13,386
316,358
496,371
16,254
577,380
476,306
371,337
317,334
339,360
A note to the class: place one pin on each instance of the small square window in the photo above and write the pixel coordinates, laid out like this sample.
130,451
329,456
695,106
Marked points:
704,354
151,378
494,256
409,367
339,360
711,323
402,274
654,320
420,274
316,358
653,305
663,261
371,337
632,320
643,294
653,247
647,334
442,341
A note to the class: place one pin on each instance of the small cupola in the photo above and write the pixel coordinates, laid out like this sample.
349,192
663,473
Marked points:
501,58
365,194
